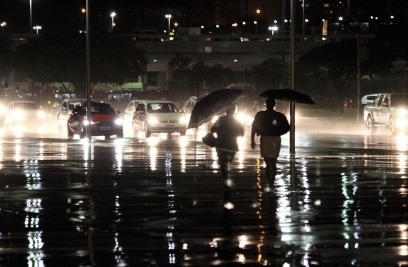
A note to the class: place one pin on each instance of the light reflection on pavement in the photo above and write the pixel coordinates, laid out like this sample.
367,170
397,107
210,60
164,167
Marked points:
158,202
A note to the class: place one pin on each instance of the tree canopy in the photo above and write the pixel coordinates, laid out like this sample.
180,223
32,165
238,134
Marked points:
62,58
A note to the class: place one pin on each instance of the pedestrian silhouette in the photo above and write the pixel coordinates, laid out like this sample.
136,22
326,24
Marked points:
270,125
227,129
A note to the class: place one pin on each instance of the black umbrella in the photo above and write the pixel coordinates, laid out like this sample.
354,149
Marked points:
212,104
288,95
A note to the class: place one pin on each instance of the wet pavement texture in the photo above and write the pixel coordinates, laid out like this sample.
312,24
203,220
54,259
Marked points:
340,201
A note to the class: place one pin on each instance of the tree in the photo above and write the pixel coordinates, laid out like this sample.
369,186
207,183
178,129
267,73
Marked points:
268,74
5,56
330,71
195,77
62,58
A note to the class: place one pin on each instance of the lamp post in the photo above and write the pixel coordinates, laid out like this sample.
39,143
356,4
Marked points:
3,25
37,28
113,15
273,29
256,27
31,17
83,11
168,17
303,17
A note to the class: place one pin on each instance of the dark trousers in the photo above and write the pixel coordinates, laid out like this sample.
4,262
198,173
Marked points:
225,161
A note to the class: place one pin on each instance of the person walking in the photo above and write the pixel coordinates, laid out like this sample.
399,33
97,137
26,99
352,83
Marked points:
227,129
270,125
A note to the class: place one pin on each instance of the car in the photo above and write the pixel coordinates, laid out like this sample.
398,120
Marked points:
188,106
105,121
65,109
159,116
25,116
130,109
368,99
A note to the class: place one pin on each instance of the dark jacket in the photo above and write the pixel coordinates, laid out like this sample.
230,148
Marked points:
271,123
227,129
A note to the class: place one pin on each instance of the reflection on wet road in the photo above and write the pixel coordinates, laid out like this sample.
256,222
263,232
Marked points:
341,201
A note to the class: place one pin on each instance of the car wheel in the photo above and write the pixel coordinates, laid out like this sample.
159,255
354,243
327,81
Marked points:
107,137
148,133
391,126
183,133
370,126
119,135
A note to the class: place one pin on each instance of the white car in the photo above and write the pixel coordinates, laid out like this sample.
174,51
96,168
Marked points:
24,116
159,116
130,109
368,99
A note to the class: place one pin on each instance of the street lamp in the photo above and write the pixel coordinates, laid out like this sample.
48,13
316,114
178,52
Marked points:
83,11
3,25
113,15
273,29
31,16
37,28
168,16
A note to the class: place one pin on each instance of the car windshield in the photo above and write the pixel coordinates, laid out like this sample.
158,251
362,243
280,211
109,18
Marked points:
161,108
25,105
102,109
74,104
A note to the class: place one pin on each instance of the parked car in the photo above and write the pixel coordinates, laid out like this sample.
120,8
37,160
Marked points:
159,116
25,116
104,121
65,109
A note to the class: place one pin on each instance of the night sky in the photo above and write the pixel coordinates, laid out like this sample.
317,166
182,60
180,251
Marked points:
66,14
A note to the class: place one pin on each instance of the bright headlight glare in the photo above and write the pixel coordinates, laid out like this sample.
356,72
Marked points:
153,120
18,114
241,116
41,114
214,119
402,112
118,121
85,122
183,119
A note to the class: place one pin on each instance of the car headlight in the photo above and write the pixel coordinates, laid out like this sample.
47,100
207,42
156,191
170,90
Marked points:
85,122
183,120
18,114
119,121
153,120
41,114
402,112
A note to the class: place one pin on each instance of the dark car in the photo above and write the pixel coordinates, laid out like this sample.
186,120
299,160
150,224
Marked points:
104,121
65,109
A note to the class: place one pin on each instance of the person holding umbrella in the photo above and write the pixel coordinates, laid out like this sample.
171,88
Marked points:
270,125
228,129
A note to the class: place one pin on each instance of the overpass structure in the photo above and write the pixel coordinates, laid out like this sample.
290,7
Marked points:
237,53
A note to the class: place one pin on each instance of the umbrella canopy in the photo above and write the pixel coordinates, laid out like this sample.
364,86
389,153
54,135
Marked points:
212,104
288,95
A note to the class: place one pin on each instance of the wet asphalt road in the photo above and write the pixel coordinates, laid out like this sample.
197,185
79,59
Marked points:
341,201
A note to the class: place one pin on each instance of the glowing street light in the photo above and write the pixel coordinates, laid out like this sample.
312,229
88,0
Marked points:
3,25
273,29
168,16
83,11
113,15
37,28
